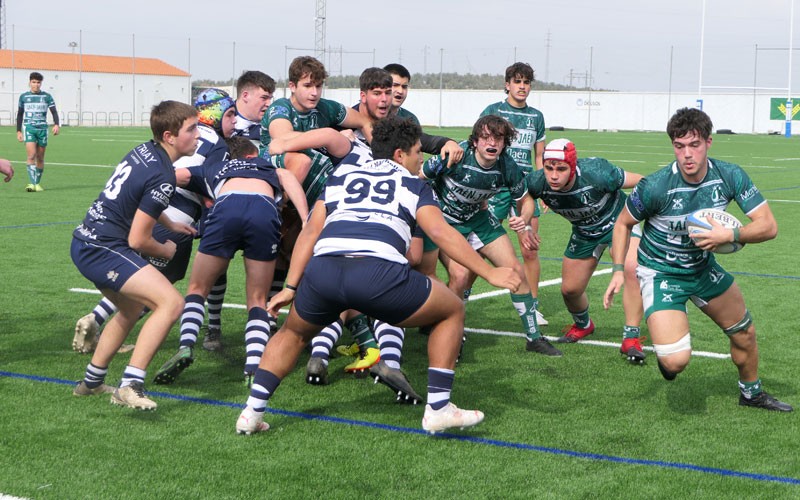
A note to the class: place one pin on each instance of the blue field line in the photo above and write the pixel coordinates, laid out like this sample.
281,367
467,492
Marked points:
458,437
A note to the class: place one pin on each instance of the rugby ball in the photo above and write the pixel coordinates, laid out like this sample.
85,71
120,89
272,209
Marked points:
697,222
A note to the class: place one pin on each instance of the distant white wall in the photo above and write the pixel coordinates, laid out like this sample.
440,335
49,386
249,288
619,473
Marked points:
94,98
742,113
108,99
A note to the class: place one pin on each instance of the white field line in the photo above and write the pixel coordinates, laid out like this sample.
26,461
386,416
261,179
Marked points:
481,331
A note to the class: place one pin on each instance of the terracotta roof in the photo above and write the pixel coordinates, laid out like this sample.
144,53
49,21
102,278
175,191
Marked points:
52,61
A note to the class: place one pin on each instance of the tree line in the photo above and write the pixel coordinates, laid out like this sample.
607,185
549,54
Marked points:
451,81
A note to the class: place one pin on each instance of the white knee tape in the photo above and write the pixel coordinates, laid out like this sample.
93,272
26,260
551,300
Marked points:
684,344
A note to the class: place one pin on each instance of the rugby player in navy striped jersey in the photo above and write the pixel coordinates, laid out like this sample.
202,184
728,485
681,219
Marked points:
351,254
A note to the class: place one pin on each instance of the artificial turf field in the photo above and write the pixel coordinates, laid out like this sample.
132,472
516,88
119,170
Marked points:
582,426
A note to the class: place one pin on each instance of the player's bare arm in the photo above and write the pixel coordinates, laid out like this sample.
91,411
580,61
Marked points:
762,227
282,129
141,238
337,144
176,226
303,250
453,244
354,119
619,248
631,180
294,191
453,152
6,169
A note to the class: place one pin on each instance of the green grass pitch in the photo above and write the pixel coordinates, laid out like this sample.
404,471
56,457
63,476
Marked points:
587,425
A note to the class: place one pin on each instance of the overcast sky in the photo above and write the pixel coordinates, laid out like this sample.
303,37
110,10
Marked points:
650,45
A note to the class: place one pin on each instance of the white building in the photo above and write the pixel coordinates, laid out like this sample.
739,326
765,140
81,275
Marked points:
92,89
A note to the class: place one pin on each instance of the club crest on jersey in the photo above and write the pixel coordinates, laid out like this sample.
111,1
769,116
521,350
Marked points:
279,111
636,200
715,276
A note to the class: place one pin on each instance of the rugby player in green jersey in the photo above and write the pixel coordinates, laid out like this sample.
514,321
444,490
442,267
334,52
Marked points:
526,150
588,193
463,191
675,267
32,128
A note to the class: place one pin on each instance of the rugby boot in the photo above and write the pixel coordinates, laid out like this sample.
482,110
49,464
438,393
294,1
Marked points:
574,333
764,401
365,360
633,351
396,380
542,346
174,366
316,371
450,416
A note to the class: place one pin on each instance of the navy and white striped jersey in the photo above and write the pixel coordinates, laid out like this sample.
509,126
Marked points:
247,128
371,210
207,179
360,154
144,180
188,207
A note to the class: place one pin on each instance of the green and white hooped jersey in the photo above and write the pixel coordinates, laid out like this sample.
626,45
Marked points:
464,187
529,123
664,199
34,108
593,202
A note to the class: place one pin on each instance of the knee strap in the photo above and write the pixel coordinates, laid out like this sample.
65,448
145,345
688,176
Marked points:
743,324
684,344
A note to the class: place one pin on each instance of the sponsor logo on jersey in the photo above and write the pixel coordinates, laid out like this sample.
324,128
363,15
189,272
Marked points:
677,204
636,200
749,193
112,275
167,188
144,153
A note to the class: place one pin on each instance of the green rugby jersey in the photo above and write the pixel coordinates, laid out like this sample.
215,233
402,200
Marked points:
464,187
594,200
34,108
529,123
404,113
328,113
664,199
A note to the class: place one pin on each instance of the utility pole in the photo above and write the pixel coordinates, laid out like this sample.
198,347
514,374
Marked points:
547,57
319,31
3,44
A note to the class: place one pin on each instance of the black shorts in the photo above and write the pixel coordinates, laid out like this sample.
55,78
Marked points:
384,290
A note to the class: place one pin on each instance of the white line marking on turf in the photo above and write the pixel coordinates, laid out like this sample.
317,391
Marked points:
542,284
786,201
499,333
600,343
116,140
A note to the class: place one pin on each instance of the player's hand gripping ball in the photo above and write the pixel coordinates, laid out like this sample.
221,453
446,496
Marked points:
697,222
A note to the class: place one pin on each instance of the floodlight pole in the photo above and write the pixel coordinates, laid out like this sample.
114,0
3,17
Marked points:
441,85
789,104
702,47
